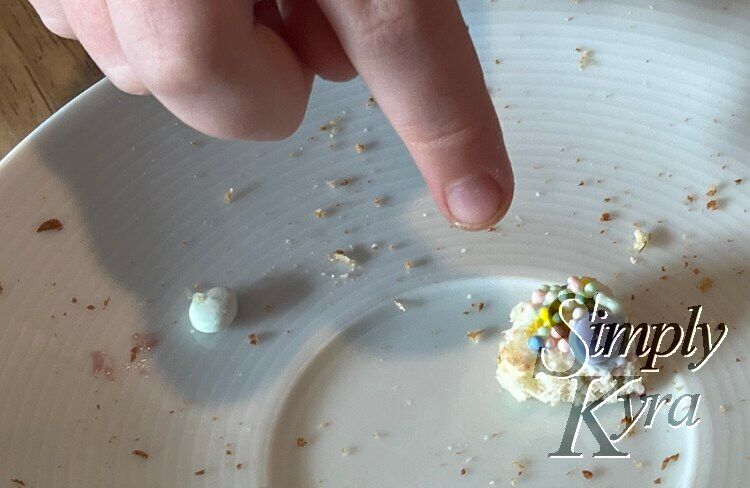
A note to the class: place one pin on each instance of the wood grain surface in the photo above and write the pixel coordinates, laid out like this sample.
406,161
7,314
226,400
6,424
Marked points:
39,72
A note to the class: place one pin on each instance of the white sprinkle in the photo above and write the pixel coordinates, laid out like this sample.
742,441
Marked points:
399,305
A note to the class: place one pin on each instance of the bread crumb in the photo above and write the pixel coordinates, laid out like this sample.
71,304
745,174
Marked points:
587,474
605,217
138,452
669,459
371,102
408,264
705,284
585,59
252,339
51,224
301,442
341,257
377,201
320,213
200,472
475,335
641,240
657,481
229,196
712,205
360,148
711,190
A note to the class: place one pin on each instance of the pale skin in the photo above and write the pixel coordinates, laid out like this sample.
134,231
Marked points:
244,69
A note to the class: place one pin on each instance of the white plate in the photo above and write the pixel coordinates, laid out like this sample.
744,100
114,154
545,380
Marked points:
662,113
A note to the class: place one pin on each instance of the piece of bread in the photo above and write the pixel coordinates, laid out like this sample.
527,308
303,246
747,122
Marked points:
531,324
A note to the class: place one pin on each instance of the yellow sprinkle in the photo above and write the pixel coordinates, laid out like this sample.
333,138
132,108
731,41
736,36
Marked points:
544,315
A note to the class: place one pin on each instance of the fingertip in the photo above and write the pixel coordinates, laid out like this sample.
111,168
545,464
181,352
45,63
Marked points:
125,79
59,27
477,202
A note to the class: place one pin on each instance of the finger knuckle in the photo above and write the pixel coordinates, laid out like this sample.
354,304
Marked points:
175,67
383,22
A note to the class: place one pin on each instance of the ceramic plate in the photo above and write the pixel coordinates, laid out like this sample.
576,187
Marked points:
378,396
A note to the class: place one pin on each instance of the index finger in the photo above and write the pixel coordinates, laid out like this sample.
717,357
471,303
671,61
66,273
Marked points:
418,60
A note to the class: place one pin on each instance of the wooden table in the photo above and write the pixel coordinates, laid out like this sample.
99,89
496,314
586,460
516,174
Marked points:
39,72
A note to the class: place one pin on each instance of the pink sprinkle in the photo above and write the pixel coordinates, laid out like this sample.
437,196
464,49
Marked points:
563,346
554,333
574,284
537,298
102,364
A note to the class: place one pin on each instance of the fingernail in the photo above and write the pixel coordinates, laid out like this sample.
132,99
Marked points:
476,202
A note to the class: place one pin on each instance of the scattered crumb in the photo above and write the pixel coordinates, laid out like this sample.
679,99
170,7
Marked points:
143,454
341,257
239,465
475,335
657,481
229,196
377,201
711,190
301,442
463,471
705,284
408,264
521,468
738,181
252,339
18,482
638,464
605,217
360,148
371,102
723,408
105,303
641,240
712,205
320,213
669,459
399,305
585,59
200,472
344,181
498,61
90,307
587,474
51,224
581,183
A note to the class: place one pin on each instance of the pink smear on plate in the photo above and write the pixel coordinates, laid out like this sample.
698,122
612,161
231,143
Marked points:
103,365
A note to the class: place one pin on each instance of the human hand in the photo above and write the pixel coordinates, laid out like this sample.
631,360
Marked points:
244,69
